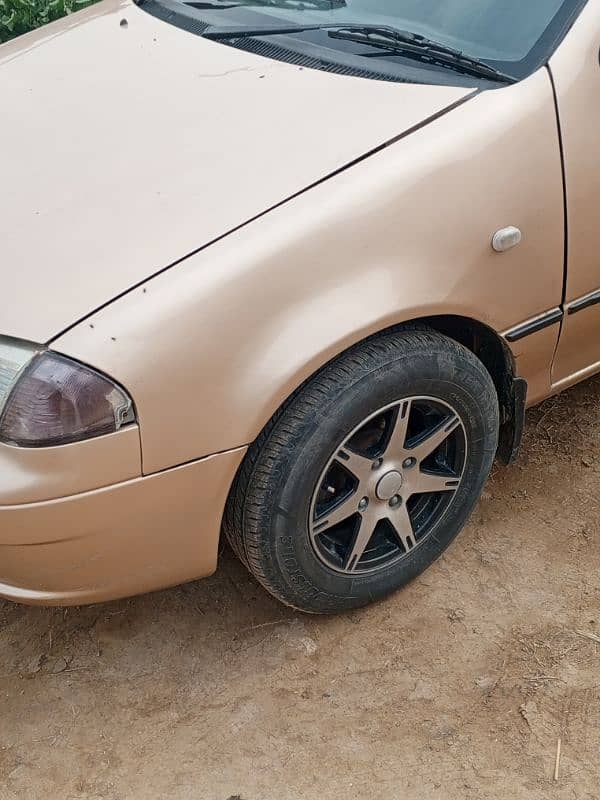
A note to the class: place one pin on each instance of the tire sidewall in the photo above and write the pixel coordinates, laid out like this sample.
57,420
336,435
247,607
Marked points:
462,383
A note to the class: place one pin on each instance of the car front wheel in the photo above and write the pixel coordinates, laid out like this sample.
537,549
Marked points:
367,474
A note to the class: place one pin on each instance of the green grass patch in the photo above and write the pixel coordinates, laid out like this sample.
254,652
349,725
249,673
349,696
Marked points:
20,16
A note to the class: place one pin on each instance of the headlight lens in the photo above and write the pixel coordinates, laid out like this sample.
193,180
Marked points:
47,399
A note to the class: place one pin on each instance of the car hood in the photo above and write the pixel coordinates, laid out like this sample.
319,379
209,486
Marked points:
128,143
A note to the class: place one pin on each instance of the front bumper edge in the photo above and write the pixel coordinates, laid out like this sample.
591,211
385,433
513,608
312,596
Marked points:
132,537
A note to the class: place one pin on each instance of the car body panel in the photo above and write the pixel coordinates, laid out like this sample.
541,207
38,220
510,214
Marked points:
33,474
162,530
144,143
576,75
402,235
533,358
320,235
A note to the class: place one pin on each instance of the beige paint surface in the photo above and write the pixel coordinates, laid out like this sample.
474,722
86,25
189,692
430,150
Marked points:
211,348
160,141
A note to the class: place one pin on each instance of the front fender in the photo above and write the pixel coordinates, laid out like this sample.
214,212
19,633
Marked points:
211,347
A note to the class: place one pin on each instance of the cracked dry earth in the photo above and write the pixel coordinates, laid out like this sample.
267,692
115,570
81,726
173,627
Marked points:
457,687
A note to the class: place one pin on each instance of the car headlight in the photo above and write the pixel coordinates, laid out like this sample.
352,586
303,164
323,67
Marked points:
48,399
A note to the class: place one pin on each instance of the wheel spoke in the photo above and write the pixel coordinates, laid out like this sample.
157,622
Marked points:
413,447
435,438
428,482
397,439
361,541
338,514
402,524
359,466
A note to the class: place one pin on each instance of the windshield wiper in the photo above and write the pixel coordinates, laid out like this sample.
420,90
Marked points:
315,5
384,37
246,33
413,45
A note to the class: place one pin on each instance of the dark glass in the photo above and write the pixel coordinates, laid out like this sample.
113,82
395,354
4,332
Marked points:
513,36
57,401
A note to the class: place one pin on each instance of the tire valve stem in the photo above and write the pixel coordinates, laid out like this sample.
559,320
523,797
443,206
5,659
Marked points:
331,489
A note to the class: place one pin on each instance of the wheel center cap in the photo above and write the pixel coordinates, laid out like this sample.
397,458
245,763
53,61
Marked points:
389,485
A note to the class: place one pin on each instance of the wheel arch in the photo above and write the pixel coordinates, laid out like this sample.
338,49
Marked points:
494,353
483,341
299,436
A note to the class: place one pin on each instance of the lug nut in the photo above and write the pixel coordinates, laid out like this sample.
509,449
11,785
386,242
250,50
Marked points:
409,462
363,504
377,463
395,501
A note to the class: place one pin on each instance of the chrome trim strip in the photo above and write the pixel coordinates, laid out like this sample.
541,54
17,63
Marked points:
591,299
534,325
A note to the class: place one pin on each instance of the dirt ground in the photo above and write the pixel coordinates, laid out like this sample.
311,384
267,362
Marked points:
458,687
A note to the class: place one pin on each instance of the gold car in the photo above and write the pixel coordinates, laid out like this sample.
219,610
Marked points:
291,271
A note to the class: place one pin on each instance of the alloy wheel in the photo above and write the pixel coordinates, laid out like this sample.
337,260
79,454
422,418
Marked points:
388,485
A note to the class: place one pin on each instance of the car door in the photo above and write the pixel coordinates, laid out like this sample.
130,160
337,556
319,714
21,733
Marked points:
575,69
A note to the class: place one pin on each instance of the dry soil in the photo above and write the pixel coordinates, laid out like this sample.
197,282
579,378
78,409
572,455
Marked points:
458,687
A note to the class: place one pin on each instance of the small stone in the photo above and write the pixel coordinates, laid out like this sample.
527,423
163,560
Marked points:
58,666
485,683
422,691
445,729
35,664
528,711
308,645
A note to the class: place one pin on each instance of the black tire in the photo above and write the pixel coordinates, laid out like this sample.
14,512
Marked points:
267,515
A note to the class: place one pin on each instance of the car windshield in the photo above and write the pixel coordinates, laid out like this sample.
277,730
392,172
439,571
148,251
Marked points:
513,36
489,29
